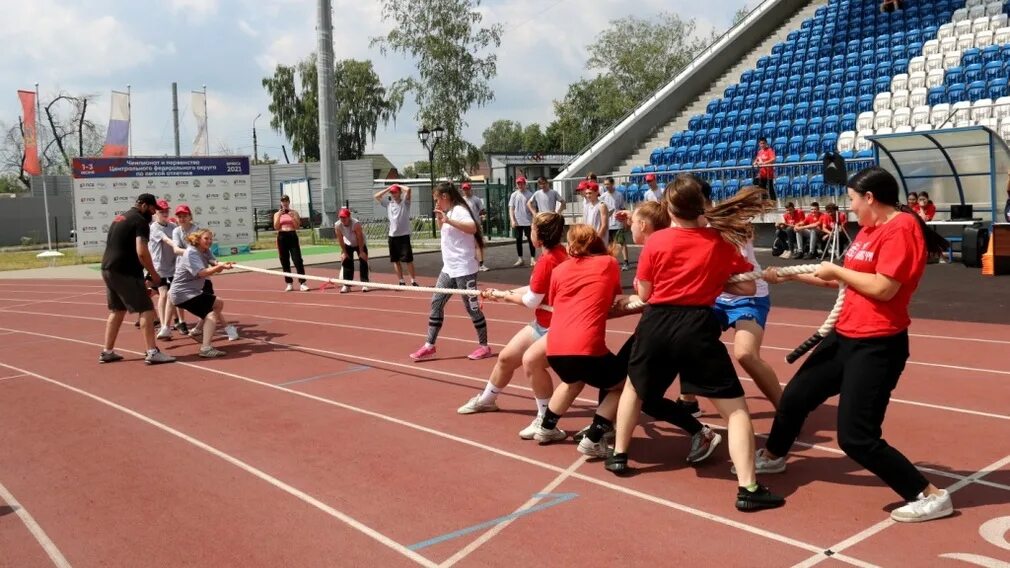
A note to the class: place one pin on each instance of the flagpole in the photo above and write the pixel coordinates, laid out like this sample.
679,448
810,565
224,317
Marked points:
129,123
42,170
206,120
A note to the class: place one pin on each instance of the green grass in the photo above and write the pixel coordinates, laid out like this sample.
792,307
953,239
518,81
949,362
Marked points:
20,260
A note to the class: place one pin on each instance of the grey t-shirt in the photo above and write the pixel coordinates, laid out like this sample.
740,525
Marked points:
179,235
187,283
162,253
517,202
592,216
615,202
546,201
399,216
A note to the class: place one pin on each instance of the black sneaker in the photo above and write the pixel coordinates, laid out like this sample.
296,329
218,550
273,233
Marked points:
617,463
414,283
182,328
608,433
109,357
760,498
690,406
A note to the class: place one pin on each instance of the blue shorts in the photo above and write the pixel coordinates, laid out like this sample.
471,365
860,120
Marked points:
538,330
753,308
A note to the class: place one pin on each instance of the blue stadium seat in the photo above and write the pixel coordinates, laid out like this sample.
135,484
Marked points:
656,156
976,90
868,71
810,169
913,49
798,128
817,108
990,54
849,105
713,106
667,155
938,95
782,186
899,66
694,122
832,124
848,122
816,185
864,103
954,75
828,143
834,91
795,146
866,87
798,186
734,151
973,72
998,88
779,145
717,190
833,106
730,188
802,109
955,94
971,56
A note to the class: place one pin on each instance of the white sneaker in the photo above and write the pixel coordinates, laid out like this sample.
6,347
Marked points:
232,332
533,262
473,406
925,508
786,255
530,431
545,436
289,288
345,289
165,333
365,288
482,268
518,262
304,287
764,464
593,449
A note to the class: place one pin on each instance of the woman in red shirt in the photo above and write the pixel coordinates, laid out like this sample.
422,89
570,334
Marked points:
681,272
925,208
582,291
548,228
862,359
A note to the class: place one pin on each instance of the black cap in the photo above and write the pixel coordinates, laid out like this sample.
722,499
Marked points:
147,199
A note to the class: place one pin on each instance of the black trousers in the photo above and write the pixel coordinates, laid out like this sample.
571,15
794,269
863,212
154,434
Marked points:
863,372
347,265
289,249
519,231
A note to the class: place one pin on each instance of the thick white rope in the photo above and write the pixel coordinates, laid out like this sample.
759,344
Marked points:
370,285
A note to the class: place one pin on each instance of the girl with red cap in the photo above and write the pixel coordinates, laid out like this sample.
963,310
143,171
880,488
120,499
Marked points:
352,241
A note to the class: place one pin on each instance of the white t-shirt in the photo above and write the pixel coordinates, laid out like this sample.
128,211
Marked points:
652,195
517,202
459,249
615,202
762,287
399,216
546,201
348,234
592,215
476,205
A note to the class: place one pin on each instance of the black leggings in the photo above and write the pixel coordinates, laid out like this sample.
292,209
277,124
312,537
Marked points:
287,244
519,231
863,372
347,265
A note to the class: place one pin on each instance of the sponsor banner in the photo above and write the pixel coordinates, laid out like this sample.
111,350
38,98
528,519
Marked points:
217,190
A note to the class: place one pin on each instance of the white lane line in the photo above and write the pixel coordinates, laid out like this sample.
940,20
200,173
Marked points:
12,377
882,525
33,527
289,489
504,453
495,530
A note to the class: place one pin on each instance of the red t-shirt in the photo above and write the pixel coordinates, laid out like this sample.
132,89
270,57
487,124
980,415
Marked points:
828,220
930,211
540,280
688,266
766,155
582,291
793,218
812,218
897,250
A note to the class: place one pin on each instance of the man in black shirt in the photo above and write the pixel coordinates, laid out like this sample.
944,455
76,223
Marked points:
126,256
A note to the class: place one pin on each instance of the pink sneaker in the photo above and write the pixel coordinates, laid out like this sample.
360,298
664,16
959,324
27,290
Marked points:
424,353
482,352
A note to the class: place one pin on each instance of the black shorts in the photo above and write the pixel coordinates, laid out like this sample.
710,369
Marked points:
166,281
681,340
126,293
200,305
601,371
400,249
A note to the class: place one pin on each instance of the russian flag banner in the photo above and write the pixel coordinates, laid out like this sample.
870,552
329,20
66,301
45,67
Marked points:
117,139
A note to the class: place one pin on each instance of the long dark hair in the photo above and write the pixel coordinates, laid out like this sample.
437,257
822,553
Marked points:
884,187
456,198
732,217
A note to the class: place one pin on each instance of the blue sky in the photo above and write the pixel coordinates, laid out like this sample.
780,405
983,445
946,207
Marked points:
230,45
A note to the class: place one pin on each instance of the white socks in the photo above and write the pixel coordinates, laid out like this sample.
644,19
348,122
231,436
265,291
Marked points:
542,406
490,393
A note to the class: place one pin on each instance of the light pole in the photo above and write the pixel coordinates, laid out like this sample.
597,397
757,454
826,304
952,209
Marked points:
430,140
256,156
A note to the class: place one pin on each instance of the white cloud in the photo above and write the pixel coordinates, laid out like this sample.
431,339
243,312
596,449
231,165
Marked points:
197,11
247,29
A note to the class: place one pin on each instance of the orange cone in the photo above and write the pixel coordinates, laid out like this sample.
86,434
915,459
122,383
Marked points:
988,269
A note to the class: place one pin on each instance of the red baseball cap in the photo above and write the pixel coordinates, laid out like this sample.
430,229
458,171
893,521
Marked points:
394,188
582,185
345,212
520,179
183,210
467,185
591,186
162,205
650,177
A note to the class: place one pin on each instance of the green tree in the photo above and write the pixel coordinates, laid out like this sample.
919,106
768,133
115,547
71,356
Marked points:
534,139
455,60
418,169
588,109
362,103
643,54
503,136
740,14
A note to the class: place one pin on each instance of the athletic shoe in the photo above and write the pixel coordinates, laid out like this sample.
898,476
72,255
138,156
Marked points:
690,406
136,324
414,283
164,333
474,405
182,328
481,352
625,267
545,436
764,464
530,431
533,262
210,352
786,255
703,444
345,289
925,508
365,288
197,330
158,357
424,353
593,449
483,268
608,434
518,262
109,357
304,287
401,283
760,498
231,332
617,463
289,288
